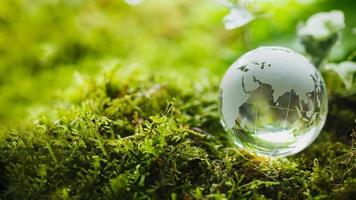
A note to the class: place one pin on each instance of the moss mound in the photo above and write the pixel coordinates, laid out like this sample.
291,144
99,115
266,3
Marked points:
140,135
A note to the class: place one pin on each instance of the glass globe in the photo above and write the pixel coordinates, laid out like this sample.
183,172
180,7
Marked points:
273,101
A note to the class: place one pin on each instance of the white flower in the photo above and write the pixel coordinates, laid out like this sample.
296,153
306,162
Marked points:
133,2
323,24
346,71
238,15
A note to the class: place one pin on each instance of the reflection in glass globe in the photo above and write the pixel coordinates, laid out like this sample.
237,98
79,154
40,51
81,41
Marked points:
274,102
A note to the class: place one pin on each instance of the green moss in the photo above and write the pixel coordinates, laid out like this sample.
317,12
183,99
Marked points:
142,135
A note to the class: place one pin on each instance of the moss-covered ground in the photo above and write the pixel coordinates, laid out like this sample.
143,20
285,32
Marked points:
126,136
135,122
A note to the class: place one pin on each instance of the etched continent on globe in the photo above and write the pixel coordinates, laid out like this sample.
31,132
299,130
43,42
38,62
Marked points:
274,101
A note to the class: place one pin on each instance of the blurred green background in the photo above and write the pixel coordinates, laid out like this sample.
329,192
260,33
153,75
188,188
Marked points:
44,43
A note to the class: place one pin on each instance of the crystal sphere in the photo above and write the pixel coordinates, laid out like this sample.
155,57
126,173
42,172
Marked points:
273,101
